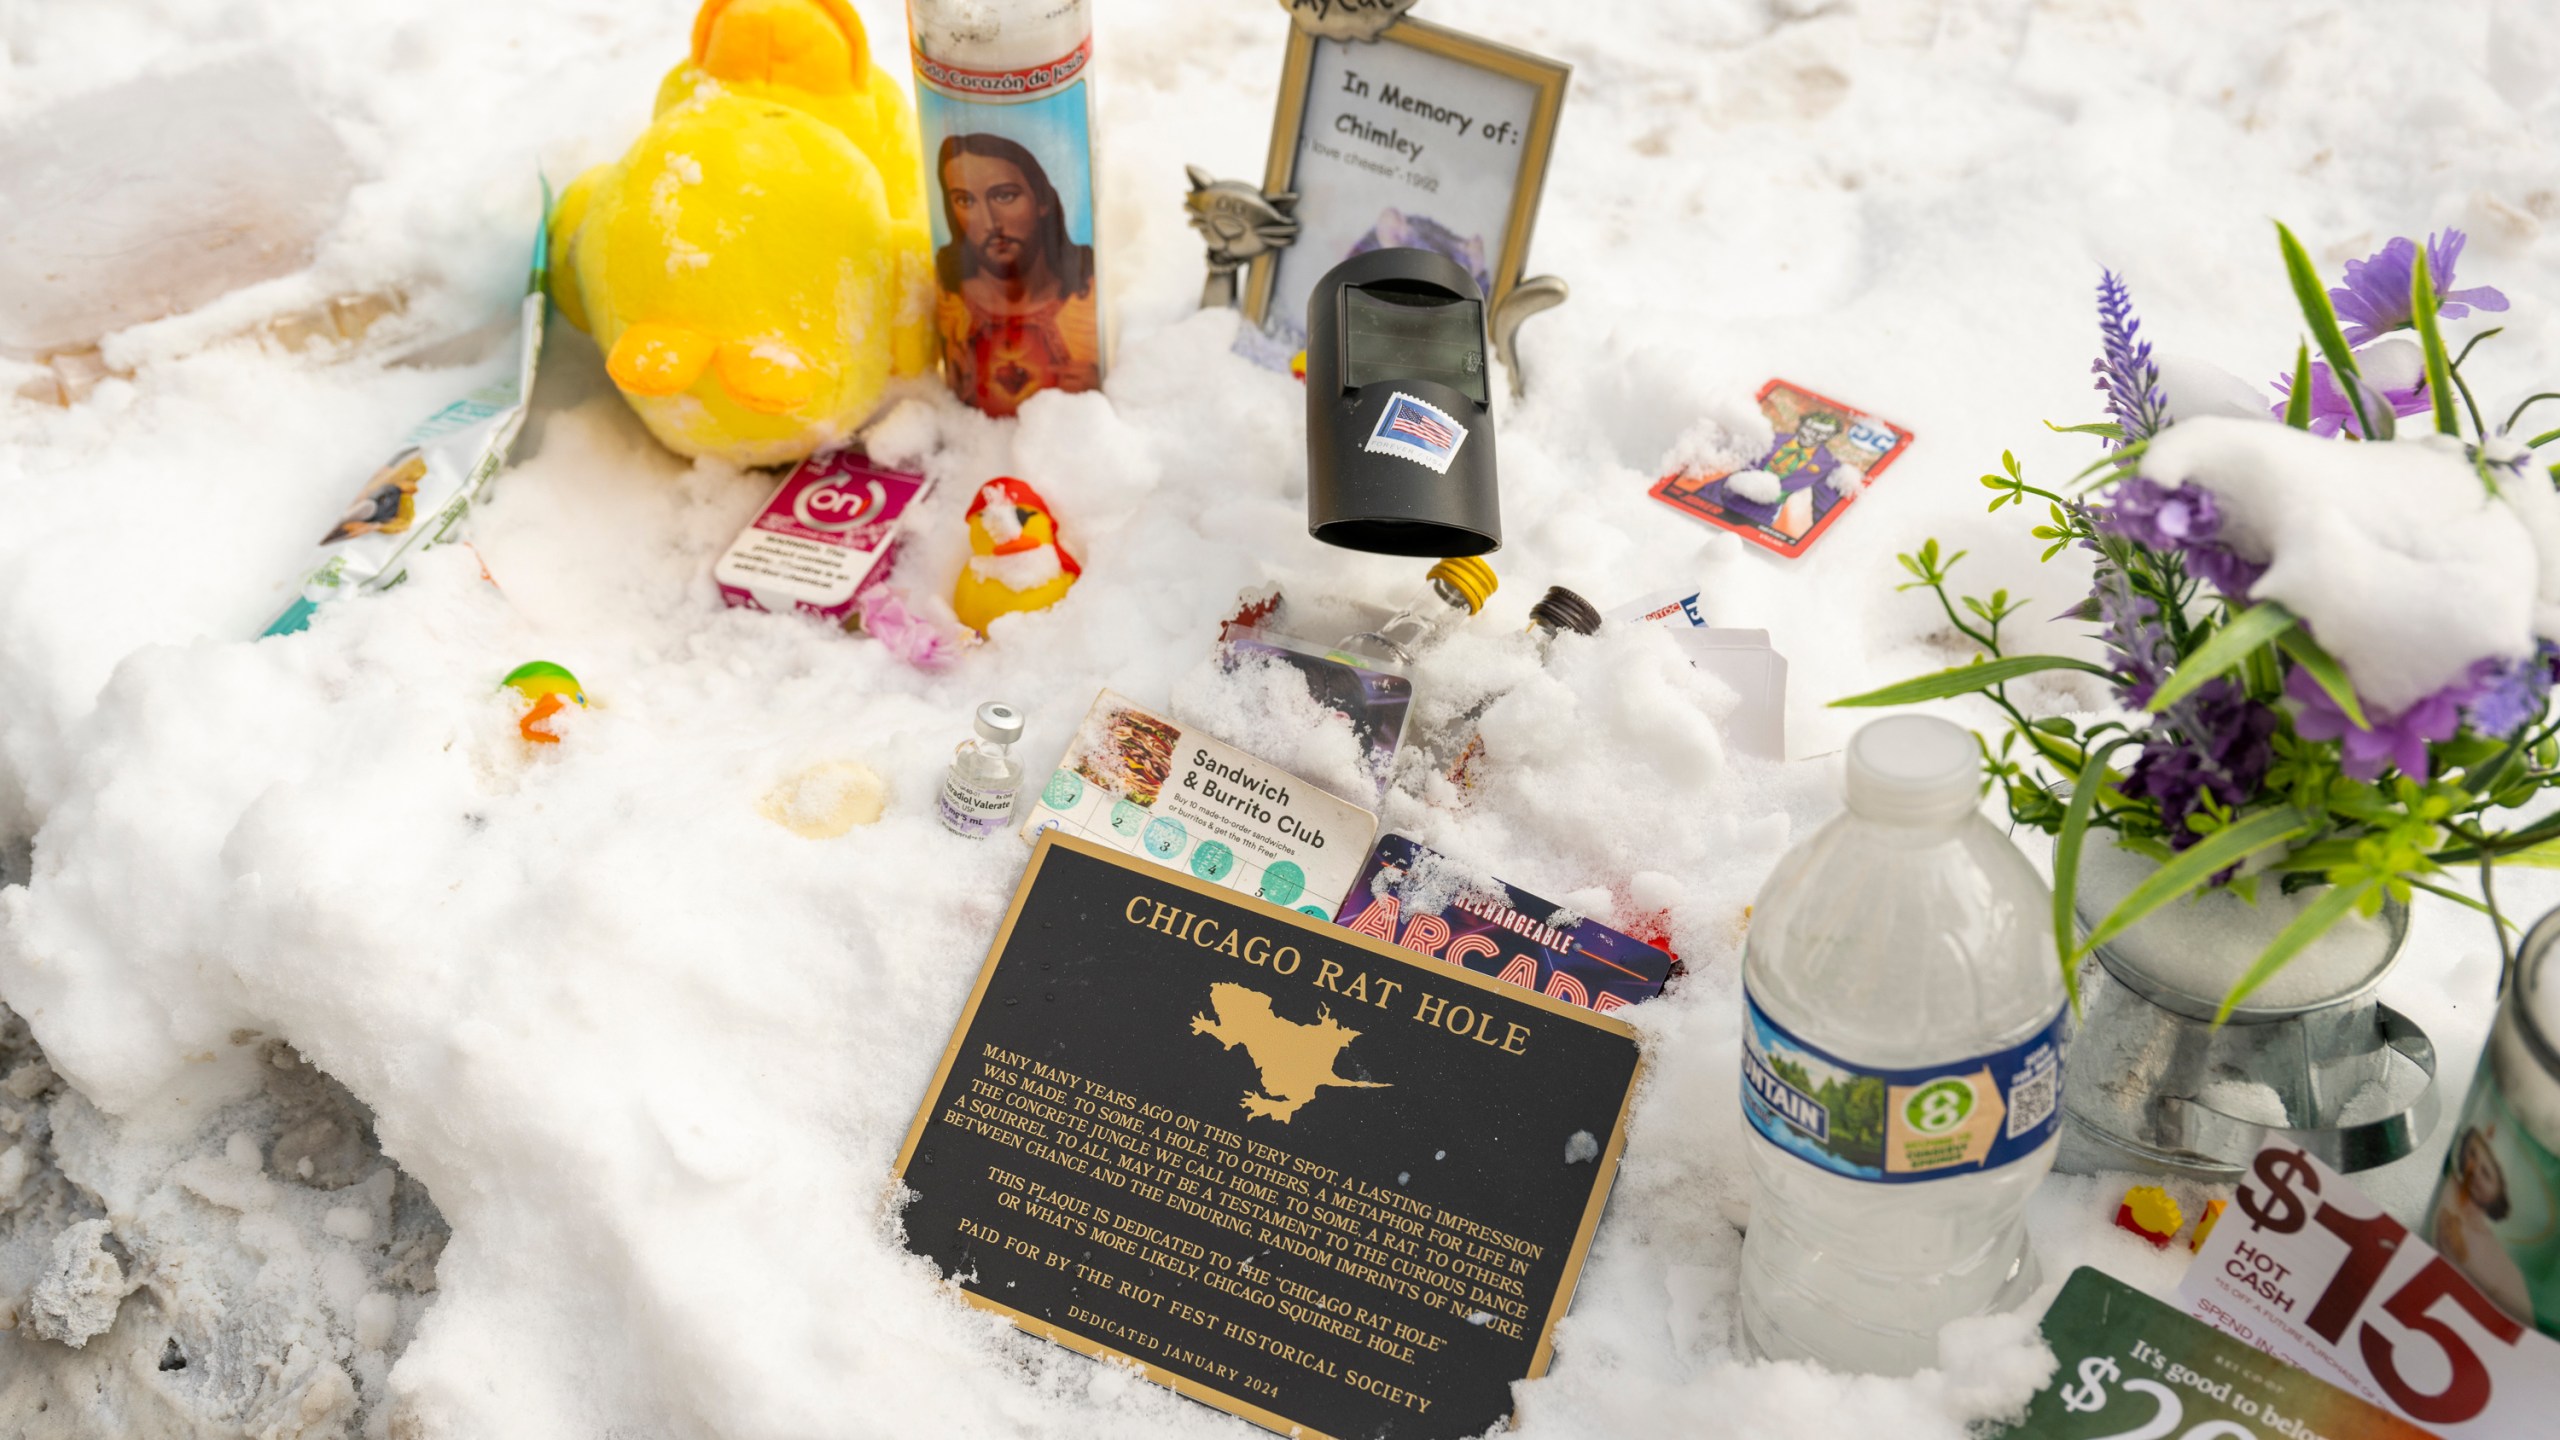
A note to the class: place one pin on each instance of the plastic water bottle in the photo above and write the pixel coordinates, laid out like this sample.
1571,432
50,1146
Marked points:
1902,1064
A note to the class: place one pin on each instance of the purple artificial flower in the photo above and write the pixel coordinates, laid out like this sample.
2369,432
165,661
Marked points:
2330,412
2219,742
2395,738
2127,376
2375,299
2158,518
2507,695
2225,571
2136,641
2185,521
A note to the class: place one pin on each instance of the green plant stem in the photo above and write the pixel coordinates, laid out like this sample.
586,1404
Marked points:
2525,404
2493,846
2316,311
2463,388
2474,343
1987,644
1999,694
2497,922
2115,460
2314,922
2422,313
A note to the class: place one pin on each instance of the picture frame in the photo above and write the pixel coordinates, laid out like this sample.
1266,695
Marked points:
1355,123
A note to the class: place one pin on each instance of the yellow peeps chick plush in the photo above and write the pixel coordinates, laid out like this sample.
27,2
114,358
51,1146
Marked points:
756,267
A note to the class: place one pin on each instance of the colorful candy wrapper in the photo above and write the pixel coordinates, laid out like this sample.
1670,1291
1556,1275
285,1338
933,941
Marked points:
423,493
824,539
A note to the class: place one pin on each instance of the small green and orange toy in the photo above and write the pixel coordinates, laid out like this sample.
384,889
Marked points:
552,689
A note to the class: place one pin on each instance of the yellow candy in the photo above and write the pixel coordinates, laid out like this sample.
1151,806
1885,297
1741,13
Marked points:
755,267
2152,1213
2204,1227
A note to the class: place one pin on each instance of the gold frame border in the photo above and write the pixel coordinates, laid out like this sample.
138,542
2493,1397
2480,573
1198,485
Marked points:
1605,1180
1549,77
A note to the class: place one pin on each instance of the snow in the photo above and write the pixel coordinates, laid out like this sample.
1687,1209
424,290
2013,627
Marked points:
1734,433
2402,563
254,170
1022,570
2196,387
2201,945
1756,485
652,1053
78,1296
1261,705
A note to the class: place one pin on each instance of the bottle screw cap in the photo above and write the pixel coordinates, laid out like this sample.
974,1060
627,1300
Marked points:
999,722
1914,770
1562,609
1473,579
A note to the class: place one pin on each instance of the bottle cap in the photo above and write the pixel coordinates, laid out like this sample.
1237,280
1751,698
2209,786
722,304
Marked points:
1473,579
999,722
1564,610
1914,770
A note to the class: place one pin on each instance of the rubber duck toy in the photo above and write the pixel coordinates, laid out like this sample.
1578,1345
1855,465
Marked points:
552,689
1015,561
756,266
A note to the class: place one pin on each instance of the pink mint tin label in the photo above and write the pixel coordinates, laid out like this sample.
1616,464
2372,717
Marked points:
824,537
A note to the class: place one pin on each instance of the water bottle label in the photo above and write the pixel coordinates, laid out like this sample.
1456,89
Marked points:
1893,1126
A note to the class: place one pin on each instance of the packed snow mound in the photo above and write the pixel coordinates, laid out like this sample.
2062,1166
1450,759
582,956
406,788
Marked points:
2196,388
81,1288
653,1053
251,1271
2403,562
1733,433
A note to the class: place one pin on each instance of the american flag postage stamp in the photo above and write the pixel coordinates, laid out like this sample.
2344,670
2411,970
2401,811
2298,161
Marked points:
1418,431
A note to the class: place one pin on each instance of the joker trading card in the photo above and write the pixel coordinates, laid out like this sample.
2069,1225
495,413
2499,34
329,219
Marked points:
1824,456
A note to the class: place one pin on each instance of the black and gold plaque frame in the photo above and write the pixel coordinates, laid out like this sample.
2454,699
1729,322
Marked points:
1325,1184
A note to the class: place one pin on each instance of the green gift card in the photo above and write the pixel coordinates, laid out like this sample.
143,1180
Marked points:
2133,1366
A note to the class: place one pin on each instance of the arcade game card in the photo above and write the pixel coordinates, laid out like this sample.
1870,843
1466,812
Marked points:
1824,456
1420,899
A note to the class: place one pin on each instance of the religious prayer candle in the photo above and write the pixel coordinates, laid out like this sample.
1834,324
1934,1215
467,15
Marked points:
1006,110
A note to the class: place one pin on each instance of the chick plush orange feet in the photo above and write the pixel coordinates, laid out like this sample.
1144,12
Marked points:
755,266
1015,561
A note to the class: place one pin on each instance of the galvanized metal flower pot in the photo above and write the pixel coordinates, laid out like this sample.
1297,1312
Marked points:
2152,1084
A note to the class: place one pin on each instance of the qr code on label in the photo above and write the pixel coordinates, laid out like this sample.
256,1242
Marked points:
2032,1096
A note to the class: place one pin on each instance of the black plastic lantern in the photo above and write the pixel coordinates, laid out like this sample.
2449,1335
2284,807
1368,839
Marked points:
1399,425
